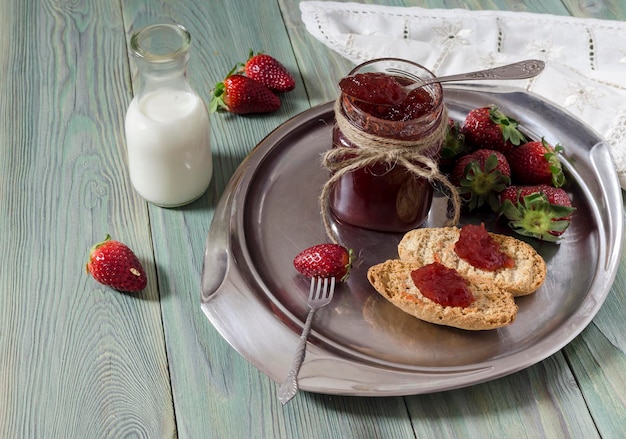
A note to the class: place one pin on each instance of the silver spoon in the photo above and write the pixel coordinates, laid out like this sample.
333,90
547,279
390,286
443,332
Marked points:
519,70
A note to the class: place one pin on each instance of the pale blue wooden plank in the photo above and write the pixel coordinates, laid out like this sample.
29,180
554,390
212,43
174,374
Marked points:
77,359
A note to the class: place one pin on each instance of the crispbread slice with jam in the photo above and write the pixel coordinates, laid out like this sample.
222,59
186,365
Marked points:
428,245
491,307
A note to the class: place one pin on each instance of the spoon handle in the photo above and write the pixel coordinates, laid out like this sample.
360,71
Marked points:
519,70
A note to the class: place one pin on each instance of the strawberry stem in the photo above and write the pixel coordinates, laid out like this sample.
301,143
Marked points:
508,126
348,266
536,217
483,185
94,247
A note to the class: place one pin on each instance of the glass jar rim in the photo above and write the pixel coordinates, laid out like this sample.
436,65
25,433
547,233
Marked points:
435,87
390,60
174,51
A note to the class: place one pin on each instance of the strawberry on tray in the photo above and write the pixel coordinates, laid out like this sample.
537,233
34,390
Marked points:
480,177
537,162
325,260
496,166
540,211
488,127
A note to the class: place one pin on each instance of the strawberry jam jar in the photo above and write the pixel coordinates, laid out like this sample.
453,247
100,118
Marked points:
385,196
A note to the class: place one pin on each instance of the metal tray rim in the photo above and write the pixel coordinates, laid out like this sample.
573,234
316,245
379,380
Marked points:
217,300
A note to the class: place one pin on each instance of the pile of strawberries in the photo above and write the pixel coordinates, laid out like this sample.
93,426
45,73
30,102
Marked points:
495,166
252,87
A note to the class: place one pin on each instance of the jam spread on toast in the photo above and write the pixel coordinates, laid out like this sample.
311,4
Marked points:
442,285
476,247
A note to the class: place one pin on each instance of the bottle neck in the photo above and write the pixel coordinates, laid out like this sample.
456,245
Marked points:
151,78
161,54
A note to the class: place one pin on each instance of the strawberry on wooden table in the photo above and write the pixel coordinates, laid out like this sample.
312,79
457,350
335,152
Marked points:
241,95
325,260
489,128
537,162
270,72
539,211
480,177
114,264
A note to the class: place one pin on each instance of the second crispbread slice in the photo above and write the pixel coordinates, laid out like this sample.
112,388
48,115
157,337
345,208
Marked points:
492,308
427,245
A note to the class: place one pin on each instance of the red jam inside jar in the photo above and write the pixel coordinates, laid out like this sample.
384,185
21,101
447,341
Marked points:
384,197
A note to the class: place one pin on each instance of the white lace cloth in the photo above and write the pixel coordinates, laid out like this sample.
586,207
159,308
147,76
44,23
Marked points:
585,58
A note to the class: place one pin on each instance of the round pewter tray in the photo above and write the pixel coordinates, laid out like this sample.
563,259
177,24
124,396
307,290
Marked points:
360,344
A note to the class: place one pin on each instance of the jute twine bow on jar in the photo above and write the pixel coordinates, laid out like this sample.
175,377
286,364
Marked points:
392,152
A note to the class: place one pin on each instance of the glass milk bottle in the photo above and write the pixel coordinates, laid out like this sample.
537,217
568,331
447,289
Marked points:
167,123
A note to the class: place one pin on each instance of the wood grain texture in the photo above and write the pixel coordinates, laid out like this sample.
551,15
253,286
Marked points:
78,360
541,401
235,398
598,360
216,392
606,9
599,368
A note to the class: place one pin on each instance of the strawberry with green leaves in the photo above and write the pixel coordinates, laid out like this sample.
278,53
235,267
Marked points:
454,145
325,260
480,177
489,128
538,211
114,264
537,162
242,95
270,72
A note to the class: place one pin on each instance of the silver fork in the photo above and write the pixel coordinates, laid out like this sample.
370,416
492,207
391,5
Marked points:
320,294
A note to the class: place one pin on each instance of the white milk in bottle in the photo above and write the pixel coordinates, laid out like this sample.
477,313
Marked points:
167,124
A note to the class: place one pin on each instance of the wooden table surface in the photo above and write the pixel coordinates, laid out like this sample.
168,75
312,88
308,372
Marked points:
78,360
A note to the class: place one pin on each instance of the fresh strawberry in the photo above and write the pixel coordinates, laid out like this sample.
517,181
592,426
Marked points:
241,95
325,260
480,177
537,162
539,211
489,128
269,72
454,144
114,264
